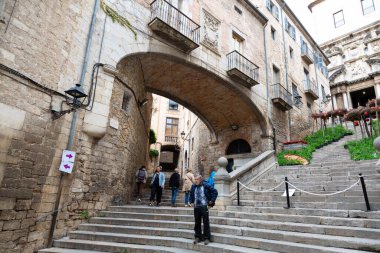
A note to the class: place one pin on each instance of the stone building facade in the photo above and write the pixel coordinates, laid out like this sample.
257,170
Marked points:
351,40
219,65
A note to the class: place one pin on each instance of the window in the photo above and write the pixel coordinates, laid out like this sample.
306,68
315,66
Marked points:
338,19
173,105
367,6
290,29
276,75
272,8
273,33
297,99
125,102
237,42
192,143
309,112
238,10
290,52
171,128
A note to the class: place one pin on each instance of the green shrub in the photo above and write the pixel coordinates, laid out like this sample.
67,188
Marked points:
314,141
152,136
362,149
153,153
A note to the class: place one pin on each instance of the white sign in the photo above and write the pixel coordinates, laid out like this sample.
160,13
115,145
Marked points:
291,192
68,156
66,167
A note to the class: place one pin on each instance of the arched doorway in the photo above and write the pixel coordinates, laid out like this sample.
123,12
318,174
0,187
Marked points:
234,149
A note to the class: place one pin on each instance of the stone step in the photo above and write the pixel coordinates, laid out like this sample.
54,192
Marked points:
322,205
310,198
353,193
93,247
63,250
242,241
355,218
235,229
249,233
230,217
160,241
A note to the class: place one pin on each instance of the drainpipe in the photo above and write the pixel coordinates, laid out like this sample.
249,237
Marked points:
266,73
73,122
286,68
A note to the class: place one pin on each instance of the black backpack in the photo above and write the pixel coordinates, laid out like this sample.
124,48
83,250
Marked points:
141,175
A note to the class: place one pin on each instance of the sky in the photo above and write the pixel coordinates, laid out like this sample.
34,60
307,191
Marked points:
299,7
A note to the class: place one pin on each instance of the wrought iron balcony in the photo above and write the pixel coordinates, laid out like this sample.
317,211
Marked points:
242,69
281,97
175,27
171,139
310,88
307,54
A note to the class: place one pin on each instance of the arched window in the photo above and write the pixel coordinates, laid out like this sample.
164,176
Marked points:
239,146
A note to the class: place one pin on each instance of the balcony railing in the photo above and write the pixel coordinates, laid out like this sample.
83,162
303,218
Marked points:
310,88
307,54
171,139
242,69
281,97
171,24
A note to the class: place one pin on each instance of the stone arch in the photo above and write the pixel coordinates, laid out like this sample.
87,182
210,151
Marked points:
238,146
163,70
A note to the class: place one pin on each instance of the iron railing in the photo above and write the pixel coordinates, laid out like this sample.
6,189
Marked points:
172,139
169,14
241,63
305,50
279,91
310,86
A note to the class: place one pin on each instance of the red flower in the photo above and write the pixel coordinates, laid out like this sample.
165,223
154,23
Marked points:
356,123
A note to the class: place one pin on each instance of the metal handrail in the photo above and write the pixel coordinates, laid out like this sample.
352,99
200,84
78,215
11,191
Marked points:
279,91
240,62
176,19
309,85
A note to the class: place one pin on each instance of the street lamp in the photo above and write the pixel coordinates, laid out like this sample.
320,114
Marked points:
75,97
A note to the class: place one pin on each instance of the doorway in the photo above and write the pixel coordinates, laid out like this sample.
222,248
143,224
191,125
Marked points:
361,97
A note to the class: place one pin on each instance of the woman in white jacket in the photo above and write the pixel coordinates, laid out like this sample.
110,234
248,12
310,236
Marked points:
188,181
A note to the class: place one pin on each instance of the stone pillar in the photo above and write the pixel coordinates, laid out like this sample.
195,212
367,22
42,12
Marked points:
376,144
377,90
349,100
334,104
345,101
222,184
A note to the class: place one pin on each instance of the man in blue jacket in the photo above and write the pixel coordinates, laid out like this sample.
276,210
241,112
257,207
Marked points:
202,195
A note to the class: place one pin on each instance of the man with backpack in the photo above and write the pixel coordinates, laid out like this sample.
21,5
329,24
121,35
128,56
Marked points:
141,176
203,196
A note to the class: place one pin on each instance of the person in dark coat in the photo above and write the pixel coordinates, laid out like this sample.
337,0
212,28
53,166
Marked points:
174,185
202,195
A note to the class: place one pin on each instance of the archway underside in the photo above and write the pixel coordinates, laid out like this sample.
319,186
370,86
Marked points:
213,100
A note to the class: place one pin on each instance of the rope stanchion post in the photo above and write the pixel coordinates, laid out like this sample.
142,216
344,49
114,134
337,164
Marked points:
287,193
364,192
238,192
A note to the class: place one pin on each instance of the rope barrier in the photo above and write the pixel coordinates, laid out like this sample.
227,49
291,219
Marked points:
269,190
326,194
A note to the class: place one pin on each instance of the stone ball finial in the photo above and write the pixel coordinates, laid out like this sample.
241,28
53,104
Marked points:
376,143
222,162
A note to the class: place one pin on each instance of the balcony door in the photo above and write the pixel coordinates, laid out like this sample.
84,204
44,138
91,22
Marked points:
171,129
237,43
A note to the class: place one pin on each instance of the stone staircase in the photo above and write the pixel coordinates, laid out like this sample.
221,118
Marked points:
335,223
